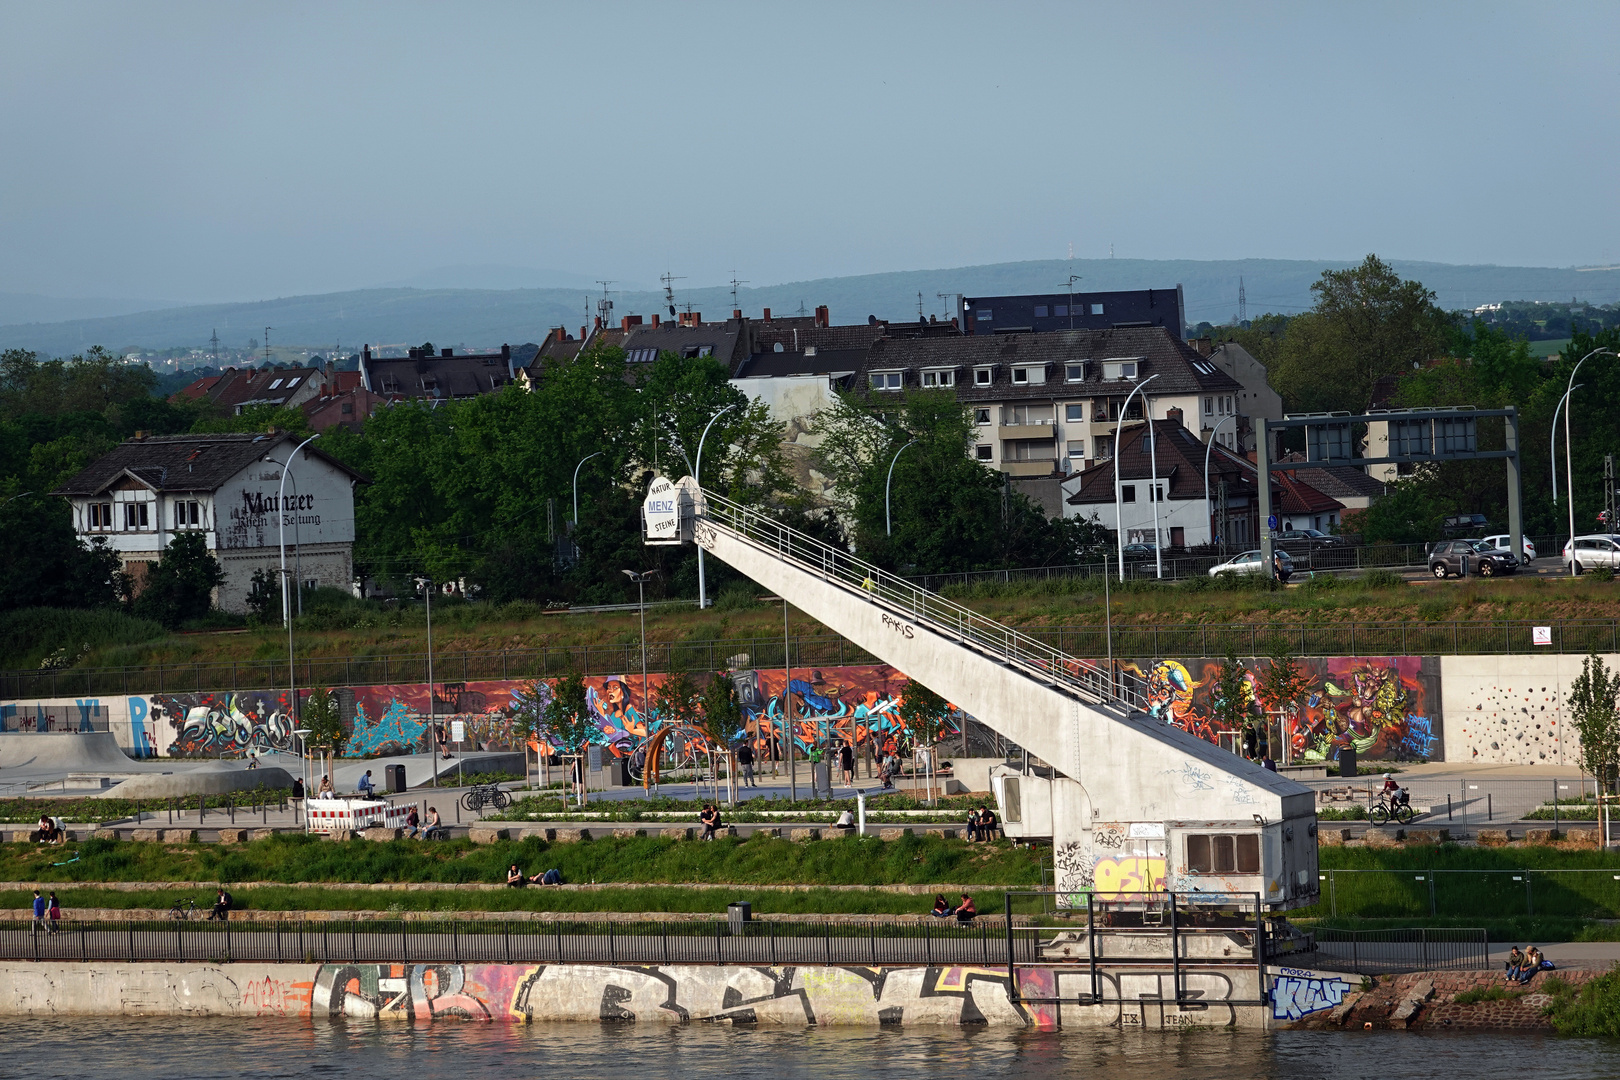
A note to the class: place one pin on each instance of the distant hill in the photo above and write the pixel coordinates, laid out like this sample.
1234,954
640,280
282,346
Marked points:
32,308
489,317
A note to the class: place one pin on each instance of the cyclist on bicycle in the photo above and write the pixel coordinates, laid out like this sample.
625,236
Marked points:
1394,793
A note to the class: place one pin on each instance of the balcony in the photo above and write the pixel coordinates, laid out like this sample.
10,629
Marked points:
1039,467
1014,432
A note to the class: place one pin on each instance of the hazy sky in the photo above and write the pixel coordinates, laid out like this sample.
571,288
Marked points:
216,151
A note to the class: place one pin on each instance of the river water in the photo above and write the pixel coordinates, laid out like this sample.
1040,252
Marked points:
182,1049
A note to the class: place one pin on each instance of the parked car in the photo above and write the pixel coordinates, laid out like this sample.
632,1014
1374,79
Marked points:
1462,524
1504,541
1486,560
1249,563
1594,550
1309,537
1139,551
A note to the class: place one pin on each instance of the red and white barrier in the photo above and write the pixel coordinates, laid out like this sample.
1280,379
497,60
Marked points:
351,815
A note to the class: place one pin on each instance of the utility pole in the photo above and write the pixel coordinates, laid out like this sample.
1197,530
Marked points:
267,344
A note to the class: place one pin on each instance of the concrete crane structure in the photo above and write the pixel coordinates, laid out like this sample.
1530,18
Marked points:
1134,807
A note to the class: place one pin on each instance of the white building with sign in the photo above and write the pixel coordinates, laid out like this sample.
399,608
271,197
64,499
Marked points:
227,487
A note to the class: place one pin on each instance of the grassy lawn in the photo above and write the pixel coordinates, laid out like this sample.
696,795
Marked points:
1469,886
367,632
761,860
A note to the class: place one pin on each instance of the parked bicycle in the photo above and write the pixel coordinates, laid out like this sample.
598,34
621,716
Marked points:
1385,811
481,795
183,910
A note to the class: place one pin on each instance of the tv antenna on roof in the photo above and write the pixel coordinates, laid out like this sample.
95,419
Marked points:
1072,279
604,306
734,283
920,316
669,292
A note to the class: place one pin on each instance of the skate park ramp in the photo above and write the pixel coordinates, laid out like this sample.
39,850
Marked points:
199,778
61,752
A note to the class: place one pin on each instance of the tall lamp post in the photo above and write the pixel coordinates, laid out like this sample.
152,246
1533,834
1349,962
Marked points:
286,606
697,474
888,516
1207,451
1569,463
641,591
1119,514
426,585
582,461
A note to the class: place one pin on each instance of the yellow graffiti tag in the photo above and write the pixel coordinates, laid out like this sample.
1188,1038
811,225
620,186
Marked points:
1131,875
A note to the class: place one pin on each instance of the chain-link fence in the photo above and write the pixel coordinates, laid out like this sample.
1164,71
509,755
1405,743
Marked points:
1470,802
1426,893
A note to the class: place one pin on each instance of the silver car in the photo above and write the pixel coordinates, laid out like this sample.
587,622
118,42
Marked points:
1505,542
1249,563
1592,551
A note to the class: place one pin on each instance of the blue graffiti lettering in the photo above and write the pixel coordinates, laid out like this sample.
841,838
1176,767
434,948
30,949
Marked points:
1295,998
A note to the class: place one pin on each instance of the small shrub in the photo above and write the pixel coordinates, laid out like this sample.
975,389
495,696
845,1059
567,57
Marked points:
1381,579
1489,993
738,596
1602,573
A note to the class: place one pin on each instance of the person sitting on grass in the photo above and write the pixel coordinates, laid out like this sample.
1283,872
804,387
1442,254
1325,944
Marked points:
551,877
965,911
47,830
942,907
1515,962
515,878
222,907
711,821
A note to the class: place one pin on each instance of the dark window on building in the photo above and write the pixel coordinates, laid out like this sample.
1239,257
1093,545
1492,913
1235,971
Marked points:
1061,310
981,416
1224,853
1096,309
1040,311
981,377
1127,493
983,314
983,452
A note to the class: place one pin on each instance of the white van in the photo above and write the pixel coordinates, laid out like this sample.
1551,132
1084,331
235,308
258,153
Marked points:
1505,542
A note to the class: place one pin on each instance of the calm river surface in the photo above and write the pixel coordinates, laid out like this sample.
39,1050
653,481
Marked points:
180,1049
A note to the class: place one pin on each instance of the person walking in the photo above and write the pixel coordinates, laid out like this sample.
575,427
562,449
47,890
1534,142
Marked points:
745,762
55,913
846,762
39,910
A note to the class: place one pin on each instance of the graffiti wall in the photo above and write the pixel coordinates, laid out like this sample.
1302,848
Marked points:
221,725
1385,707
1297,994
124,717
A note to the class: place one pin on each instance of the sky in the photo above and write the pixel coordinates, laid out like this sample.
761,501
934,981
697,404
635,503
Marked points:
216,152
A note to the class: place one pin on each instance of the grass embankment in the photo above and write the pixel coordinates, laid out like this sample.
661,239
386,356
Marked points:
1561,900
368,630
648,867
29,811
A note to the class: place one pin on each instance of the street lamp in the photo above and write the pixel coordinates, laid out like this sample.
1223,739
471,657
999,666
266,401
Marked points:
697,474
582,461
286,606
888,516
1119,514
1569,464
303,771
426,585
1207,451
641,589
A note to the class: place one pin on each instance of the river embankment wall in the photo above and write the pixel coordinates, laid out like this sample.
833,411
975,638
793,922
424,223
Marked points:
1029,996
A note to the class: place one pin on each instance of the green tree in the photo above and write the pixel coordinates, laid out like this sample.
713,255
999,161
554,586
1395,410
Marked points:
1367,323
568,724
1596,719
926,715
321,717
181,586
49,566
720,720
1284,684
949,513
1231,709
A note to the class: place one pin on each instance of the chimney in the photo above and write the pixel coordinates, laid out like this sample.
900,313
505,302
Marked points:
446,352
365,353
506,352
596,324
736,313
656,323
1173,413
767,314
822,317
582,333
1204,346
628,321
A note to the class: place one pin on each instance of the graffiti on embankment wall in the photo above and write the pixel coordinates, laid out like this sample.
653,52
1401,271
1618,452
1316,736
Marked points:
1385,707
844,995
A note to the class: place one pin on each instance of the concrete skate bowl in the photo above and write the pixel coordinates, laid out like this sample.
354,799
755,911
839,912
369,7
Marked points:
201,778
58,753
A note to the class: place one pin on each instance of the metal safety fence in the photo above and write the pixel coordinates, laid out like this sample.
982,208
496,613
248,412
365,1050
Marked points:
983,942
1469,802
1388,952
1425,892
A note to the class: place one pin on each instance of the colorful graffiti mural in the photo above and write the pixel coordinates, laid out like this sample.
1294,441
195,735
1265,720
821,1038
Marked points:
1383,706
835,704
221,725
